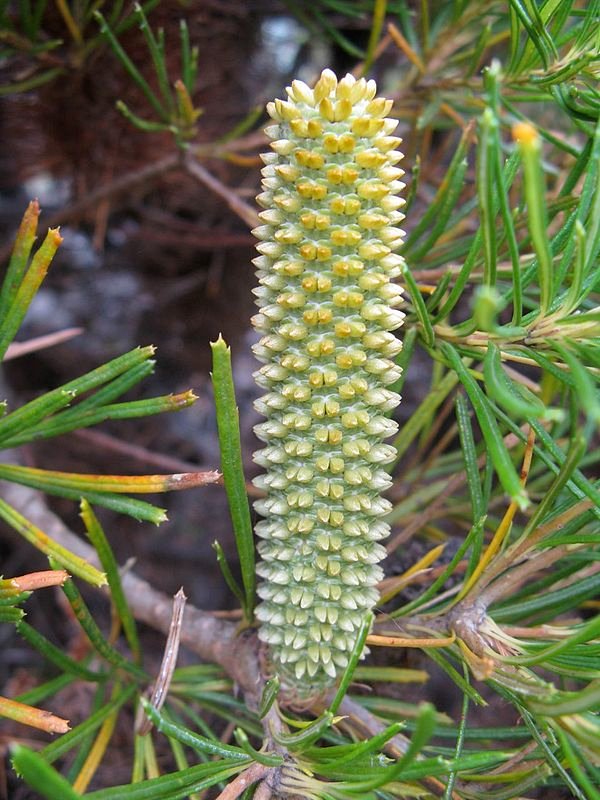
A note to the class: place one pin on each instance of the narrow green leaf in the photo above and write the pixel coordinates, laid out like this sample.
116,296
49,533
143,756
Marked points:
98,539
14,598
56,655
358,750
379,9
439,292
189,738
486,157
464,685
175,786
591,791
528,142
579,485
45,690
498,453
27,85
585,633
11,614
344,42
564,703
157,55
130,67
356,653
231,582
297,742
443,204
95,635
414,184
460,739
449,202
90,411
132,409
267,759
504,177
469,454
423,413
585,388
20,256
51,402
423,732
462,279
419,307
243,126
36,537
146,125
269,695
231,465
592,248
548,605
188,62
68,741
84,745
574,294
501,389
473,538
40,776
30,283
404,358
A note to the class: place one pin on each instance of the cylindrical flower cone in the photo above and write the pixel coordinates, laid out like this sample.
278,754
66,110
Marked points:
327,308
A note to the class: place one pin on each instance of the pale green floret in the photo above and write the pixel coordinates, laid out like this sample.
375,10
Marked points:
327,306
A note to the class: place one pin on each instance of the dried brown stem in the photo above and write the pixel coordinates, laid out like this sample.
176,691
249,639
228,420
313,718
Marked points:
511,580
159,692
18,349
239,207
517,551
105,441
239,784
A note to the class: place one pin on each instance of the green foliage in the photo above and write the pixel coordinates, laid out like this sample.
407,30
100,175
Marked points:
233,473
172,106
498,461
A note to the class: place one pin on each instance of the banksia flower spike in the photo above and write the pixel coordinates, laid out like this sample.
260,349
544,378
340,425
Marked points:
327,309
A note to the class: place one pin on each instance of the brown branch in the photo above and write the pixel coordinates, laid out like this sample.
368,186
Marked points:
104,441
203,176
18,349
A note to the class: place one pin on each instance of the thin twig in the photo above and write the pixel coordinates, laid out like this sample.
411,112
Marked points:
18,349
203,176
246,778
509,582
167,667
111,443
